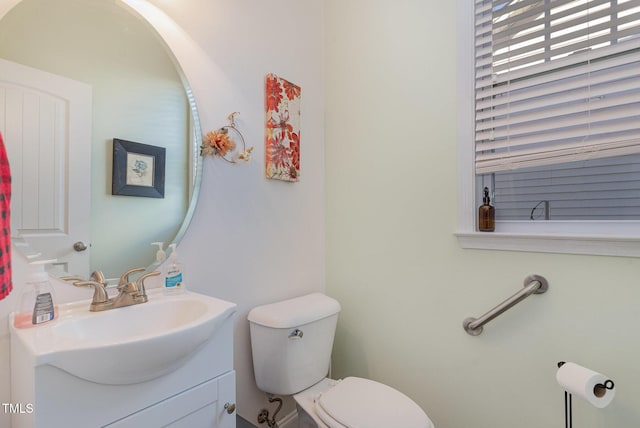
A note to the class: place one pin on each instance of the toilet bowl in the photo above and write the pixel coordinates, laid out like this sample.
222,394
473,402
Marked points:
291,343
357,402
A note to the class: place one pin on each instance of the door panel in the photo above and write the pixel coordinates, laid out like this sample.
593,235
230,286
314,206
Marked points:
47,130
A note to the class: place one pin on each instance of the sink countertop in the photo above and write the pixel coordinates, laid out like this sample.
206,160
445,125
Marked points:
152,338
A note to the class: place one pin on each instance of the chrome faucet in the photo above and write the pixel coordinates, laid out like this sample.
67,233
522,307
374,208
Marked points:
129,292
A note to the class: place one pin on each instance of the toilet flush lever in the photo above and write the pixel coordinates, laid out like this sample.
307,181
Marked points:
296,334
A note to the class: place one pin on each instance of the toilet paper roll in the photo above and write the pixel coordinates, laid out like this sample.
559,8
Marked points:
586,384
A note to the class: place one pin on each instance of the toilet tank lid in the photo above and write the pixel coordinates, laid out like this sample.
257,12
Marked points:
294,312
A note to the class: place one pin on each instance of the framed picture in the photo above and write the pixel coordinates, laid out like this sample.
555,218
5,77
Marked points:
138,169
282,143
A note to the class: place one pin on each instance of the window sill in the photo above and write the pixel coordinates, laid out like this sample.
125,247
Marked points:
552,243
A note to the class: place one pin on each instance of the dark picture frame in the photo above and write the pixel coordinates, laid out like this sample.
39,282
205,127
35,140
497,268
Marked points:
138,169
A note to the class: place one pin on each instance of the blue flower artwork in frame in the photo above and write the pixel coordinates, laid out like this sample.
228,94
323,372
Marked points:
138,169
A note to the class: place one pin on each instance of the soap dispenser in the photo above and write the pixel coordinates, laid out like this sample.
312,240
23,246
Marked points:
486,214
36,305
173,278
161,256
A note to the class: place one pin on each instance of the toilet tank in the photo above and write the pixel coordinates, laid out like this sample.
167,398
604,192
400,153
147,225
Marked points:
291,342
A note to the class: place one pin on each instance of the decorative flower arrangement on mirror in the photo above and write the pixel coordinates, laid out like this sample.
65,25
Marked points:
224,143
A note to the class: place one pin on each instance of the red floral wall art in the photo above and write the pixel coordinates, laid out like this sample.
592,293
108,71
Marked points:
282,141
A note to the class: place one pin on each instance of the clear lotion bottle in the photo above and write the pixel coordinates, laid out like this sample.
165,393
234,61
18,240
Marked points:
486,214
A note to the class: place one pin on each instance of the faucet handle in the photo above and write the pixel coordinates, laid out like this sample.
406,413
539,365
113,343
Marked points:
124,279
100,292
140,281
72,278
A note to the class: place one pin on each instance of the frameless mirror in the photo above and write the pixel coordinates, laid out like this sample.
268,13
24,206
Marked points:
137,93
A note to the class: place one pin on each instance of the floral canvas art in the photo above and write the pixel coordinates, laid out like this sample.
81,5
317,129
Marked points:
282,141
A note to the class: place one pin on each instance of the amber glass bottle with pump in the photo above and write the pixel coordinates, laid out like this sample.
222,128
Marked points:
486,214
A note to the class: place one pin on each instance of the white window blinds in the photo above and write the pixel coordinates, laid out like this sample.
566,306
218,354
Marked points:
556,81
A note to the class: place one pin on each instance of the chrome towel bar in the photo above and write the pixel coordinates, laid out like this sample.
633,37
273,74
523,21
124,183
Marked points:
533,284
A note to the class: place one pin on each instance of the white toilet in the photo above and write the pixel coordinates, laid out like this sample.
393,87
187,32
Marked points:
291,342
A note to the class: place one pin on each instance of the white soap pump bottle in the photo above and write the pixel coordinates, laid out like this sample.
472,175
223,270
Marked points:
36,305
161,256
174,276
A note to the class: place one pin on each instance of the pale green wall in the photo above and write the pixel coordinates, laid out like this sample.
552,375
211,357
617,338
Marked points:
137,96
393,262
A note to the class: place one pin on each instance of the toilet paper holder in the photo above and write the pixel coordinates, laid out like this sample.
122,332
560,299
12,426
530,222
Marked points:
599,390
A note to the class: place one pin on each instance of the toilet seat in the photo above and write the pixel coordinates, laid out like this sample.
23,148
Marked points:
362,403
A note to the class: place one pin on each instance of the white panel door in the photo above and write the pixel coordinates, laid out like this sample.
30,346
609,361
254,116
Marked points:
46,123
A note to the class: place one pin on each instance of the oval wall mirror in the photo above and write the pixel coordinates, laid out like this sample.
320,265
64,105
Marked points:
137,94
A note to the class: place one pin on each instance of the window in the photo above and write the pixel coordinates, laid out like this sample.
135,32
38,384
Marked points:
556,116
594,189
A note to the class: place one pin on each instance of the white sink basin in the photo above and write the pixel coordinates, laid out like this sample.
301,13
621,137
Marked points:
126,345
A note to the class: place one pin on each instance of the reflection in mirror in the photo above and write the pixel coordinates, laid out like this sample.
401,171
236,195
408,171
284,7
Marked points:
136,94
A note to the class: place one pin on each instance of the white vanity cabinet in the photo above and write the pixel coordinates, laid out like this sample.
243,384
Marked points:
208,405
195,391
